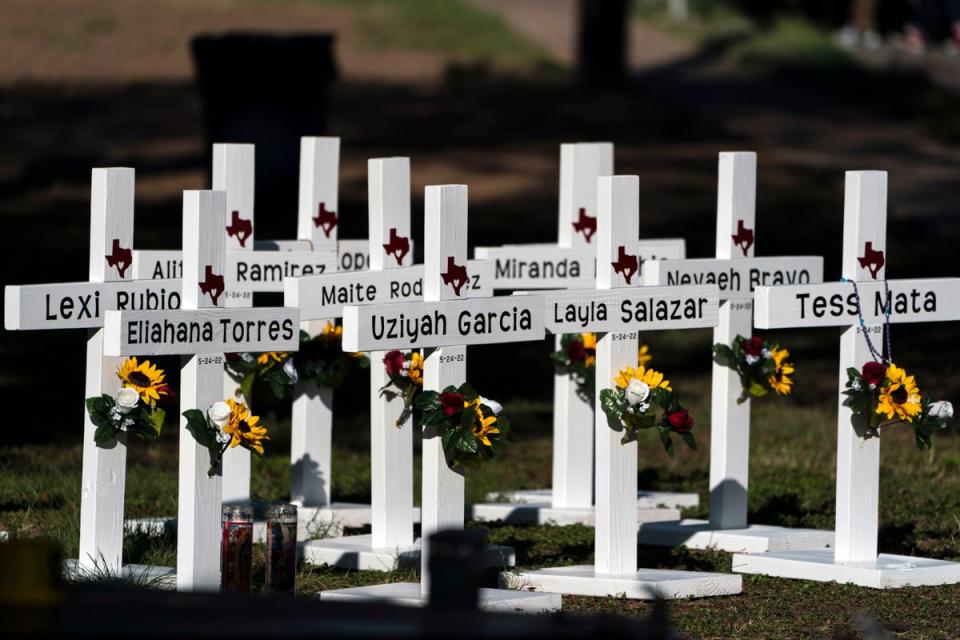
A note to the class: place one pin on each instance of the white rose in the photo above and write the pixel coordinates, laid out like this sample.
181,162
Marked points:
127,400
495,406
637,392
942,411
219,414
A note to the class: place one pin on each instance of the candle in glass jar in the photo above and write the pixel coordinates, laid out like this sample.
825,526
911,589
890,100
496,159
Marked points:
281,569
236,549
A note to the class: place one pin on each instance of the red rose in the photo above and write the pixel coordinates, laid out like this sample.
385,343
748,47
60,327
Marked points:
575,350
752,347
873,373
680,421
451,403
232,357
393,362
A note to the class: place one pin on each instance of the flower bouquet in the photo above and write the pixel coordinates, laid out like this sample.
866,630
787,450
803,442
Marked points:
134,409
226,424
577,357
319,358
884,395
635,402
762,366
470,427
405,371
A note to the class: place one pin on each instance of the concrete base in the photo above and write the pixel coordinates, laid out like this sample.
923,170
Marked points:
357,552
645,584
755,538
645,499
543,513
141,574
886,572
408,594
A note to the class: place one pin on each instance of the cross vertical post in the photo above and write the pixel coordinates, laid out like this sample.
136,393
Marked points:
445,242
201,384
311,435
391,450
730,421
104,467
233,173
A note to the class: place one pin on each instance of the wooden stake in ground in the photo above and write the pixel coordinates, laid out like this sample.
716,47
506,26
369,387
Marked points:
82,305
621,312
454,322
855,558
202,331
571,264
737,273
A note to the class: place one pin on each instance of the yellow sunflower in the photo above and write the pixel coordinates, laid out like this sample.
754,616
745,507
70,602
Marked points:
243,428
643,355
415,371
780,381
900,398
271,356
144,378
332,332
589,341
483,428
651,377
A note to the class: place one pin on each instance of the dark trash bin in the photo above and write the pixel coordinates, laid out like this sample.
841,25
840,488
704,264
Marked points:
269,90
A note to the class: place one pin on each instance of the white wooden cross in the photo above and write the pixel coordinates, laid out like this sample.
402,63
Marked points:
737,272
625,311
447,320
571,264
81,305
201,331
855,558
390,279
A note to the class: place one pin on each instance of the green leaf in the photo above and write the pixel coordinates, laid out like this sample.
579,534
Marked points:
427,399
853,372
468,418
469,393
667,441
199,428
246,387
690,440
610,403
724,356
155,419
465,441
757,390
103,434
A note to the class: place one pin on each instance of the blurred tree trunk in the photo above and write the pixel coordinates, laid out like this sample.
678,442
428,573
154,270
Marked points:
603,41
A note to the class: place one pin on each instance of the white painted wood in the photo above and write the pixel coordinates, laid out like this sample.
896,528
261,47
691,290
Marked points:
545,513
104,467
210,330
201,384
408,594
834,303
80,305
572,472
754,538
157,264
645,584
234,174
282,245
634,309
581,163
361,553
326,296
554,267
445,246
885,571
310,445
406,325
253,271
391,447
737,278
645,499
318,211
615,465
730,421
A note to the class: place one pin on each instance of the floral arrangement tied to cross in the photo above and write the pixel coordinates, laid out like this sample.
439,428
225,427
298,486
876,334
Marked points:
884,395
762,366
320,358
471,427
134,409
577,357
226,424
643,399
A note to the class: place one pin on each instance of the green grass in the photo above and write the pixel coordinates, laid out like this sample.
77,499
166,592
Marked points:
792,467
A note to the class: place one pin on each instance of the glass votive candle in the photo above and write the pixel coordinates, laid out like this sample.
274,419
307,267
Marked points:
281,569
236,549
